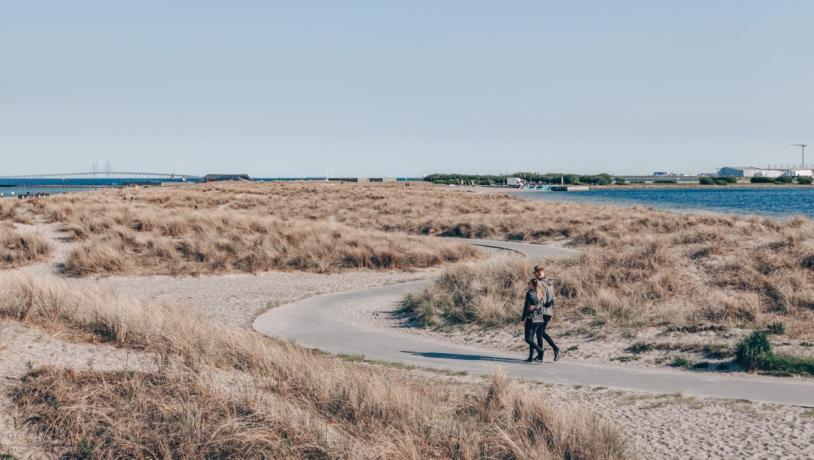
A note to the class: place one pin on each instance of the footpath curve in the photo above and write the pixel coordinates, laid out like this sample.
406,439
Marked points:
338,323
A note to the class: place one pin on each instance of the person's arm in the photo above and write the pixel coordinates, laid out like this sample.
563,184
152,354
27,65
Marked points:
526,307
552,298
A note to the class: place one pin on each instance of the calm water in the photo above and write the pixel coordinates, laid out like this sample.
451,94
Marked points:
779,201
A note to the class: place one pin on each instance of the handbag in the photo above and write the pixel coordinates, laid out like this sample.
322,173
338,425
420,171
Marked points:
537,315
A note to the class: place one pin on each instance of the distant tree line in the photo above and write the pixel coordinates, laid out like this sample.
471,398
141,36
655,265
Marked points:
548,178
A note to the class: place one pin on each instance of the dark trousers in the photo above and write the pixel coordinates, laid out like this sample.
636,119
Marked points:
538,331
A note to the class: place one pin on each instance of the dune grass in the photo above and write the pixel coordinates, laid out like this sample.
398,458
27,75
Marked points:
164,242
645,280
288,402
640,266
17,249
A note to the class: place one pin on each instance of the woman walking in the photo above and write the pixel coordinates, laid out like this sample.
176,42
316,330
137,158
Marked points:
533,319
545,292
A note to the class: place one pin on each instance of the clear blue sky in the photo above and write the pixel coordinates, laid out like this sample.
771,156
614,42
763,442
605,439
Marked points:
404,88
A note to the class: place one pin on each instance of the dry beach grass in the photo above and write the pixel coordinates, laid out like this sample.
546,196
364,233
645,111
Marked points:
640,266
290,402
18,248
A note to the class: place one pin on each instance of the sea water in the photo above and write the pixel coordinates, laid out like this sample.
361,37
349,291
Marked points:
774,201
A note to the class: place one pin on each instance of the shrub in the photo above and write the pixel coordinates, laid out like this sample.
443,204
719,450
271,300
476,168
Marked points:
720,181
783,180
804,180
18,249
620,181
776,328
706,181
678,361
754,352
761,180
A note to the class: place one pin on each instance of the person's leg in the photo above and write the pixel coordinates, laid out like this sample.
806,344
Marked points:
529,336
548,339
538,334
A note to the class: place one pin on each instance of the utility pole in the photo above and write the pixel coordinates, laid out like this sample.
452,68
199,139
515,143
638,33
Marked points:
803,150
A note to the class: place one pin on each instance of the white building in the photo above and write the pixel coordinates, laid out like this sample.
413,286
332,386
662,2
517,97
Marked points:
514,181
749,171
799,173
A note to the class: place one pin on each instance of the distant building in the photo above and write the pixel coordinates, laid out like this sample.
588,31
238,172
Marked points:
799,173
223,177
514,181
749,171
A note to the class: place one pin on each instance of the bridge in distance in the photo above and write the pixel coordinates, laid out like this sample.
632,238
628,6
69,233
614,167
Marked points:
95,179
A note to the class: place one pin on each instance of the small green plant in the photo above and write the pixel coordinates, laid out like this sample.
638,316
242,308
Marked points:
783,180
706,181
754,352
776,328
639,348
761,180
678,361
803,180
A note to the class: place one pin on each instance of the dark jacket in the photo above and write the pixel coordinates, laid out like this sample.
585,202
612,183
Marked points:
532,303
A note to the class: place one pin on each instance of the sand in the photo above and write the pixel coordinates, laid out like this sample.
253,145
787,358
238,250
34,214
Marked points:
659,426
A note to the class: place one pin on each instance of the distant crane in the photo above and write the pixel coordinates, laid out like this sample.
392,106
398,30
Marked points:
803,149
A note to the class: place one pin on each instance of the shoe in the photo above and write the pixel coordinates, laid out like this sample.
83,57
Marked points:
557,354
528,360
539,357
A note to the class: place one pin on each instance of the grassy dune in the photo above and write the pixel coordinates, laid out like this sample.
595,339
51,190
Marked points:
640,266
214,242
152,236
293,403
18,249
732,271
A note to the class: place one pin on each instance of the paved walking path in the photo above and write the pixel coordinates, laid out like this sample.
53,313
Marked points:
339,323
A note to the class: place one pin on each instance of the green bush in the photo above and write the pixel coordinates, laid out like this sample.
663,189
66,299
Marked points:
620,181
706,181
792,364
680,362
665,181
776,328
719,181
804,180
754,352
783,180
761,180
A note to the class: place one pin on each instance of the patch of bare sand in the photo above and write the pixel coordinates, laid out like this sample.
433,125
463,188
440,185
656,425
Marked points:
237,299
677,427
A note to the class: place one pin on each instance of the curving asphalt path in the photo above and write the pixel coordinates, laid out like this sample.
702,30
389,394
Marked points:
339,323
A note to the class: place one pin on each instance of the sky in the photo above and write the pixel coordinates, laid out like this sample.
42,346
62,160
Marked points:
387,88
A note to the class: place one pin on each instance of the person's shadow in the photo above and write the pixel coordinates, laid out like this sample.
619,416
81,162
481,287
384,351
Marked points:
463,357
